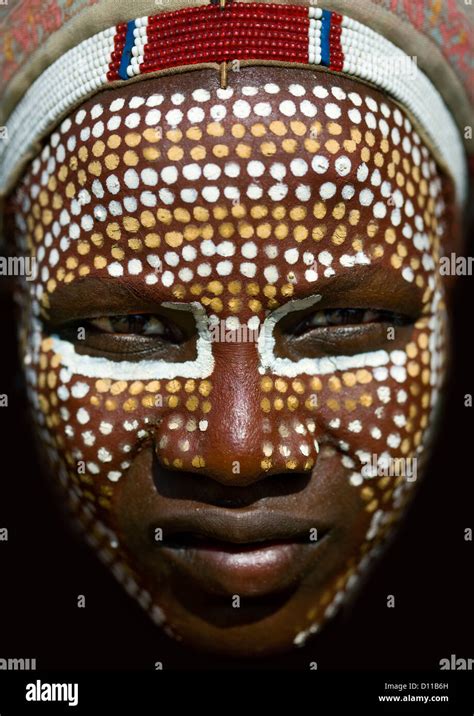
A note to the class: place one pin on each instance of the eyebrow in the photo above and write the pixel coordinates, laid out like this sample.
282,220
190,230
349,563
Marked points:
91,297
375,286
372,286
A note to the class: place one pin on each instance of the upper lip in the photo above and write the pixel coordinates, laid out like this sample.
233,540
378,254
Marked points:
238,527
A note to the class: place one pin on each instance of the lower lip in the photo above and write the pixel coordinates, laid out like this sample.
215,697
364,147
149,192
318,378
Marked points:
246,571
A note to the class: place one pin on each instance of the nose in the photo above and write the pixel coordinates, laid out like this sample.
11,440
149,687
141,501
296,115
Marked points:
245,428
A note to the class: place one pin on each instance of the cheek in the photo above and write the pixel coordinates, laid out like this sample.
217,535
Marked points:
98,425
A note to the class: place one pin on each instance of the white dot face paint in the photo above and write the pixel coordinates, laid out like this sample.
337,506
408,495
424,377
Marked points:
244,210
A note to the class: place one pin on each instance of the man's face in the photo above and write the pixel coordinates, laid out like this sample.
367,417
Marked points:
234,343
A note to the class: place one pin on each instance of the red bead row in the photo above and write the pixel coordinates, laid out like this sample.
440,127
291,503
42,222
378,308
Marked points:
229,38
336,55
237,24
221,56
235,17
253,11
253,30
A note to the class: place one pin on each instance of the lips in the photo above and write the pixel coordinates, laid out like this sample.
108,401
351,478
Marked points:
198,542
246,553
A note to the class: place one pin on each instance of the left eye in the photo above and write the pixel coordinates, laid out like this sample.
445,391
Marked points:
346,317
136,324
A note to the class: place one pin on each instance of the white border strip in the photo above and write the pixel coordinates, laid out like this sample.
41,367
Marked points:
99,367
272,364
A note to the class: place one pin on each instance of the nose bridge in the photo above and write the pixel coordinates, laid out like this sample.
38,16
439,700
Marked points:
254,425
232,443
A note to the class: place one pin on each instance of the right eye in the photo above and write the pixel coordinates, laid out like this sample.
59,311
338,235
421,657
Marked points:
132,336
138,324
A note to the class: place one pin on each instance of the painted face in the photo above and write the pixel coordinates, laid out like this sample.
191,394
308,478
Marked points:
234,343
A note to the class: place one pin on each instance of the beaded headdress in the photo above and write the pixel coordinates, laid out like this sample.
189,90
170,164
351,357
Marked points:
230,33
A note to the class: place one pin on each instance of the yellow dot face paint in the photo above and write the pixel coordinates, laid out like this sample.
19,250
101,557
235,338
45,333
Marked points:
238,302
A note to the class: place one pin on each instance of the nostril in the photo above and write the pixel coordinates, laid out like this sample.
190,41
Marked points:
203,488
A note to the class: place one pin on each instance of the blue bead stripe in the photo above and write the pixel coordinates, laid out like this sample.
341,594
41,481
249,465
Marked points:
127,51
325,28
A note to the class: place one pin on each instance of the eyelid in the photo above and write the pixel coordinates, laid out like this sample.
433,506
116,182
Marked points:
378,316
148,317
165,312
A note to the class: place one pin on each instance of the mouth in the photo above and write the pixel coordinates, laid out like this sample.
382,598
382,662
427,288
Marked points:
191,540
246,554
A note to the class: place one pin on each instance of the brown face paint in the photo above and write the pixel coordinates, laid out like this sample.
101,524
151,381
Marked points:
275,247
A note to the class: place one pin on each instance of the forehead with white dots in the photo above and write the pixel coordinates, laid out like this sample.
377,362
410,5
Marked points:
215,180
234,202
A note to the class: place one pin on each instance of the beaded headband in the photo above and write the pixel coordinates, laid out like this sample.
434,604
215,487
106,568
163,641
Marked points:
236,32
